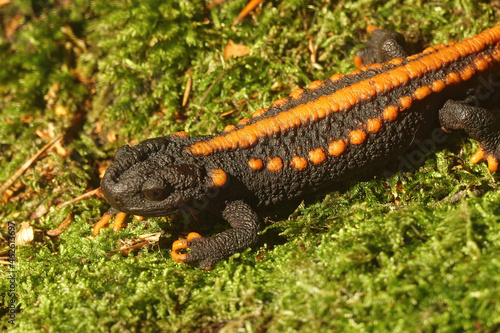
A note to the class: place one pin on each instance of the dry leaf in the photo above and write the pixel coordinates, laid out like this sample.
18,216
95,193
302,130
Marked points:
25,236
235,50
60,150
13,25
39,212
42,134
4,2
61,111
154,237
187,90
76,41
52,95
111,136
102,169
60,228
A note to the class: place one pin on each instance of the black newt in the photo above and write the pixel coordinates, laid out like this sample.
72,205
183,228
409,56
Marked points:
311,140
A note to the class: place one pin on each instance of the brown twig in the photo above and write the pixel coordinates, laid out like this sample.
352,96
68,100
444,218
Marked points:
57,231
187,91
97,191
28,163
313,50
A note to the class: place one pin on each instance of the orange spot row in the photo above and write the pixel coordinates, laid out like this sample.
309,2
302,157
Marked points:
396,61
358,61
255,164
422,92
259,113
482,64
229,128
315,85
357,136
317,156
452,78
275,164
336,77
438,85
337,147
181,134
218,177
279,102
390,113
373,125
405,102
299,163
373,66
243,121
296,93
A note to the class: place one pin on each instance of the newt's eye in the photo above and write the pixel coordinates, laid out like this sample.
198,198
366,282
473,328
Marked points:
155,194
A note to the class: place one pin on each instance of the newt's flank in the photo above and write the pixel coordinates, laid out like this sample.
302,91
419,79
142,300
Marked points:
312,140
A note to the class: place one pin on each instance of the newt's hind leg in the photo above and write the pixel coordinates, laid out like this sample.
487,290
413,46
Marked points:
382,46
481,125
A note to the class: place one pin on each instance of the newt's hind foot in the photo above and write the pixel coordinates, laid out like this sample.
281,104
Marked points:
382,46
481,124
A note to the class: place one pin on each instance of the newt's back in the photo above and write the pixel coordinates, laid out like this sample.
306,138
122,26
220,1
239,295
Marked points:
340,126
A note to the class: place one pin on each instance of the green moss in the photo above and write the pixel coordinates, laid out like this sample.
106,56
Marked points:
417,251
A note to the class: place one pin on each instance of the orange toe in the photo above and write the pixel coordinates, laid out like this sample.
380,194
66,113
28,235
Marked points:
181,258
492,163
118,221
478,156
193,235
182,244
482,154
101,223
371,28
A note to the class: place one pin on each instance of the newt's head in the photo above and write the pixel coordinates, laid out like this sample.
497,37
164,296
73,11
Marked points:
154,179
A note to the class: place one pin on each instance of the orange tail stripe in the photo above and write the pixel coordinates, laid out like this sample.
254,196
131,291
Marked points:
344,99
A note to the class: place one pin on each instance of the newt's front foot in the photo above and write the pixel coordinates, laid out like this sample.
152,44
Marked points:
481,124
195,254
210,250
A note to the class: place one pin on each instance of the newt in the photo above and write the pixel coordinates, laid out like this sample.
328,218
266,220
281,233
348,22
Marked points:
313,139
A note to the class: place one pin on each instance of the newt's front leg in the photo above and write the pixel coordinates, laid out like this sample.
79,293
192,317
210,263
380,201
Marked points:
208,251
481,125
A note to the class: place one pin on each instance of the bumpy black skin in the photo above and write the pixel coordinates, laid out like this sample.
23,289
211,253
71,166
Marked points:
165,168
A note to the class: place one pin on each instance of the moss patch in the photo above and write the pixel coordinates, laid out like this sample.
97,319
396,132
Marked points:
417,251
